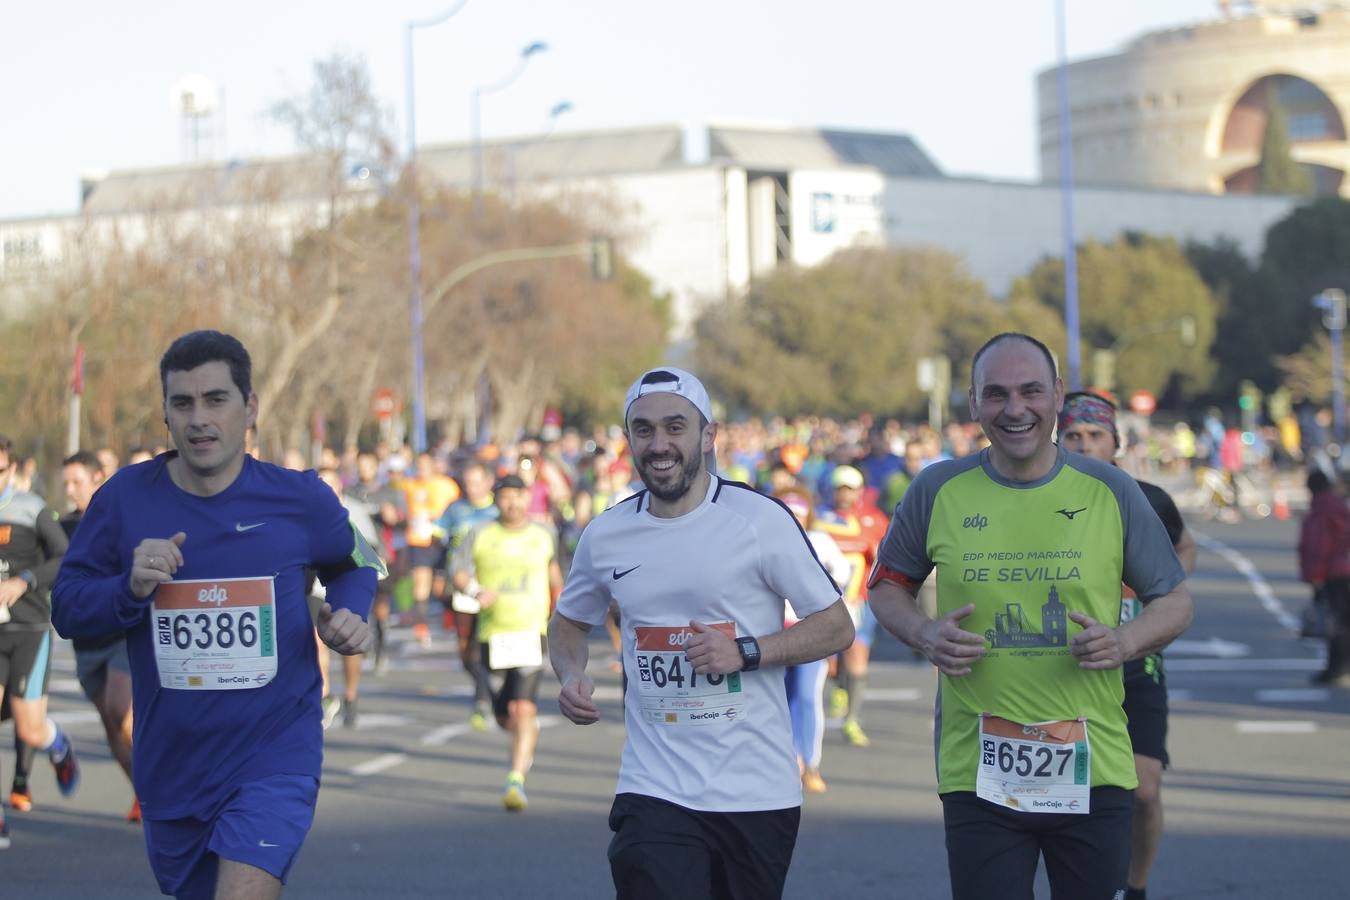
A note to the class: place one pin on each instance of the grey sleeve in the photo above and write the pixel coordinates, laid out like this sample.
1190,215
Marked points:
905,547
461,560
1151,565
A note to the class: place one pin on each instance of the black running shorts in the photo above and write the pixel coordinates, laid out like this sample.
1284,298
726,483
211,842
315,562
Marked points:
663,851
1146,708
993,851
25,663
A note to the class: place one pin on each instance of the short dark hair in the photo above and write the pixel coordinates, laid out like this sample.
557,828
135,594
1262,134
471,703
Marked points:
1318,482
197,348
1013,336
509,483
83,458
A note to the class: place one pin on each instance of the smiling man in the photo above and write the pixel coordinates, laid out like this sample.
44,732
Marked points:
709,795
1031,544
199,555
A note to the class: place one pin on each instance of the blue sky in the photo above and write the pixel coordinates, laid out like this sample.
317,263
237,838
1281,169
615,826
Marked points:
88,85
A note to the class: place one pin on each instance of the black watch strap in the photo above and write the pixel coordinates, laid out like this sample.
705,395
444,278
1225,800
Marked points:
749,648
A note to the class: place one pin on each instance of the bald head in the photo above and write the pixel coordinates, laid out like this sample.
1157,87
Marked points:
1006,337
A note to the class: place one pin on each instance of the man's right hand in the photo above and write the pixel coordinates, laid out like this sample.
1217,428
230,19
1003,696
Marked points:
154,562
12,591
953,650
575,700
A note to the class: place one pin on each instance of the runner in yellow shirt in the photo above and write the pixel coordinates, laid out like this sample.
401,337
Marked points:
510,567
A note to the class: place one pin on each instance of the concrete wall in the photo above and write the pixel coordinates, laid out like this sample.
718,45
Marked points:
1001,229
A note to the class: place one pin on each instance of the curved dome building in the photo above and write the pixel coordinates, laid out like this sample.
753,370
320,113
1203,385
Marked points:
1186,108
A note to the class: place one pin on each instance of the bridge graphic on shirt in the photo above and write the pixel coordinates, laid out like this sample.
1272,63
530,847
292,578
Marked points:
1010,627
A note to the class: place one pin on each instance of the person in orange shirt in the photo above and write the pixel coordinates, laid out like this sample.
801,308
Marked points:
428,494
857,527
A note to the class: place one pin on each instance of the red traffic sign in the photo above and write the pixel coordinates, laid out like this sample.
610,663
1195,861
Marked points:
1143,403
384,404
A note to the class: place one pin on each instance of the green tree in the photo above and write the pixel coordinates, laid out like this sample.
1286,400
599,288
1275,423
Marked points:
1277,172
1306,252
845,337
1133,294
1307,373
1244,296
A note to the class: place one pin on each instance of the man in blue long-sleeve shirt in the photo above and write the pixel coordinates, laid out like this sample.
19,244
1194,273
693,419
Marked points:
199,554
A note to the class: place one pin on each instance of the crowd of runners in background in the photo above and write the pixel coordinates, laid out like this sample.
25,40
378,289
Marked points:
842,479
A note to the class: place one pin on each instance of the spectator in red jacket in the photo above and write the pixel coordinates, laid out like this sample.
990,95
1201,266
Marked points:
1324,562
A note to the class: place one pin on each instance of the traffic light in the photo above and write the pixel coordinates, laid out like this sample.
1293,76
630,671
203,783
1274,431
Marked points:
1249,396
602,258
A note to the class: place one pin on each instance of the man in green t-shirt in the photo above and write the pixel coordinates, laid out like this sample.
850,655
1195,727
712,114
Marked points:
510,567
1031,545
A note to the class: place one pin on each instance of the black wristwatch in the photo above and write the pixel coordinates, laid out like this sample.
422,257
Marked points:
749,648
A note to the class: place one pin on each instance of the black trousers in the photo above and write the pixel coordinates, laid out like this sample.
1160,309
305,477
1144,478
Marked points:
663,851
993,851
1336,595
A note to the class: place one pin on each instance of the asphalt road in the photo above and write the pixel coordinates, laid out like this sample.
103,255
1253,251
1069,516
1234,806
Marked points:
1256,799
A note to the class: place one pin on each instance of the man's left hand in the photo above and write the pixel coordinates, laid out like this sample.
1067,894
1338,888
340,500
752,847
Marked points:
344,631
1097,646
710,650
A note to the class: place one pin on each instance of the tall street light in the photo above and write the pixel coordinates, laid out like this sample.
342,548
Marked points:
475,120
1066,195
558,109
419,405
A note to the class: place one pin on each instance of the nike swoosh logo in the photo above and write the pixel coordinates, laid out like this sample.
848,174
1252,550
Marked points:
618,574
262,843
240,526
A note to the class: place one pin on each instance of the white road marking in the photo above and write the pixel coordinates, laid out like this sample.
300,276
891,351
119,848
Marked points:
1277,727
443,734
366,721
66,685
379,764
1246,665
1293,695
894,694
1259,586
1212,646
74,717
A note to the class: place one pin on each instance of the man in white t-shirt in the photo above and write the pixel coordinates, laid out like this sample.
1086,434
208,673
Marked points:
709,794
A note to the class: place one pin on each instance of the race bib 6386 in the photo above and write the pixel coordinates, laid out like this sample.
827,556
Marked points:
215,634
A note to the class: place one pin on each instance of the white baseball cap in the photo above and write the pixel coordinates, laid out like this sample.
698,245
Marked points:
671,380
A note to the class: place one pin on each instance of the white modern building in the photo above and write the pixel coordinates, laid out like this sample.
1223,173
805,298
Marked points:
702,211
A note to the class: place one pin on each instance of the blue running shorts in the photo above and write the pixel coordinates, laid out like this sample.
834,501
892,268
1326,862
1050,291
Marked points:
262,823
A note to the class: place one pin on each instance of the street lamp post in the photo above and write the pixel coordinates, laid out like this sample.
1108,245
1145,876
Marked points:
419,429
1066,198
476,124
555,111
1332,304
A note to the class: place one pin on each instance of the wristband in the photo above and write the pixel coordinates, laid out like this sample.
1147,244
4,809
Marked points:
882,573
473,588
